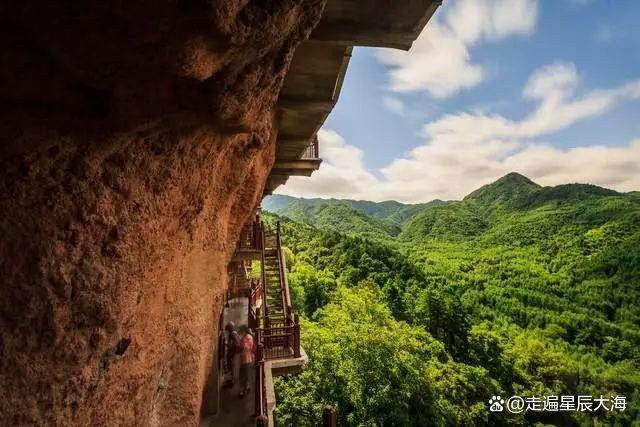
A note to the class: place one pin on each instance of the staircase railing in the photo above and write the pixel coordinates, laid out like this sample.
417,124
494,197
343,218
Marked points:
256,292
260,390
276,338
281,341
280,336
265,309
284,282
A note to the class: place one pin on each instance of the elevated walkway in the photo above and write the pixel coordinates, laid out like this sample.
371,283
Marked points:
265,307
234,411
278,333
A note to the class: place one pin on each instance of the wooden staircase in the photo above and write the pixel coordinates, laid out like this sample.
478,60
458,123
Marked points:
273,272
277,327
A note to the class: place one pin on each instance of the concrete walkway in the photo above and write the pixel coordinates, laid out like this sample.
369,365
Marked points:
234,410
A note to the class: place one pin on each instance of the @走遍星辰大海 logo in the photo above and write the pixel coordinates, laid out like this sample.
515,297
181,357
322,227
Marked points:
554,403
496,404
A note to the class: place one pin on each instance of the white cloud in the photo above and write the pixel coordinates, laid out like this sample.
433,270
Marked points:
393,104
553,80
440,62
464,151
473,20
342,173
612,167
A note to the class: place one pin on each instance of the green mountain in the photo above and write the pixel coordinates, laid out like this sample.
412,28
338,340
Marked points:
517,289
517,206
277,202
348,216
509,189
512,202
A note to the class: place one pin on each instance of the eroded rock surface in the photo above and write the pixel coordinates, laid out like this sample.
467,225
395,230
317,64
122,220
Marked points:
135,140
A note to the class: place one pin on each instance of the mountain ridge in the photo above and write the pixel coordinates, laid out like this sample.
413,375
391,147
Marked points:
513,193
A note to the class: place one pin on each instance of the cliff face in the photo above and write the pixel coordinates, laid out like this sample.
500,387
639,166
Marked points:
135,141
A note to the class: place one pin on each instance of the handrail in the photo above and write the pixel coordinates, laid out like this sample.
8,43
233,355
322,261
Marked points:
260,394
256,292
287,295
278,341
284,283
296,336
280,336
265,310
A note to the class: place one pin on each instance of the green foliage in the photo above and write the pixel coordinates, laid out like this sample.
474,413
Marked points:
376,370
453,222
516,290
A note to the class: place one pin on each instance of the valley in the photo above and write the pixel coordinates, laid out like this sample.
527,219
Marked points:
418,314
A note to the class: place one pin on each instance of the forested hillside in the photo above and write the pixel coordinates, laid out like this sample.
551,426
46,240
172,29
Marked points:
516,290
384,219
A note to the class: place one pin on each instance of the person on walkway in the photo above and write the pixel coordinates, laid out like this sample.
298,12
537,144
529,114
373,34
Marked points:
248,357
232,353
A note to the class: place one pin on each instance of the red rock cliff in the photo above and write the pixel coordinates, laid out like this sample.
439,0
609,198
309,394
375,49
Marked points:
135,140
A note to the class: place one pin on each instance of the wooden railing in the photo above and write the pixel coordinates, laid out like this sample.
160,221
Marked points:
252,318
260,389
263,275
256,292
250,237
312,151
277,334
281,339
286,297
279,331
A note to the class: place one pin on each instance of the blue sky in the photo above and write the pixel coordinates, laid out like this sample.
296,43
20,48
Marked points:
549,87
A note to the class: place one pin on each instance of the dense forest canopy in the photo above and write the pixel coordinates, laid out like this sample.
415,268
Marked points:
418,314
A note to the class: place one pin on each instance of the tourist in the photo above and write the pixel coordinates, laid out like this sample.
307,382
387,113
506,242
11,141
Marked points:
232,352
248,357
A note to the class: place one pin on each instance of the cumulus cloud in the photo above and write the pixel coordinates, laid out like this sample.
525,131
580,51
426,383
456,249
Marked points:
440,62
473,20
554,80
612,167
342,173
463,151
